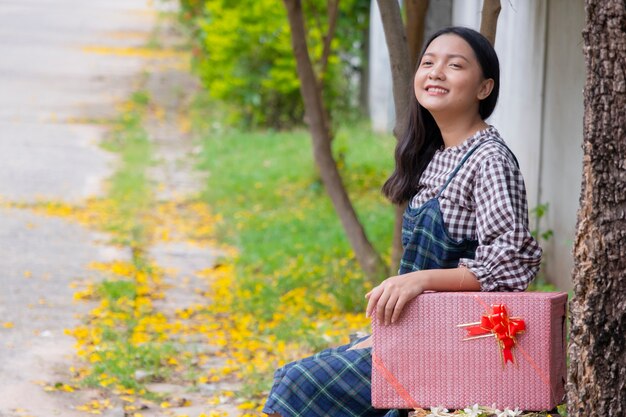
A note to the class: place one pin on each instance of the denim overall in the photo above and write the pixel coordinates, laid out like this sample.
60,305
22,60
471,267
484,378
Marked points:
425,239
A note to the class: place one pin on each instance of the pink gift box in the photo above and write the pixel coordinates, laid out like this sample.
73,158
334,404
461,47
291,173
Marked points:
422,360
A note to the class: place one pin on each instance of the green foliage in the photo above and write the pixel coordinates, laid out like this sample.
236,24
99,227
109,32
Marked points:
540,283
243,55
540,212
189,9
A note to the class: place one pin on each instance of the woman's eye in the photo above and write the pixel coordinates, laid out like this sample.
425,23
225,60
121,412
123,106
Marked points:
455,65
426,63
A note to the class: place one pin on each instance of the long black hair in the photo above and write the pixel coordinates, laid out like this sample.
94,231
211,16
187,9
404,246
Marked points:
422,136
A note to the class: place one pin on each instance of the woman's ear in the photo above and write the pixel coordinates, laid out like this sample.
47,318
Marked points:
485,88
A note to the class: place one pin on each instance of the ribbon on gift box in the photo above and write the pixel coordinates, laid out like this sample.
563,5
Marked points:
497,323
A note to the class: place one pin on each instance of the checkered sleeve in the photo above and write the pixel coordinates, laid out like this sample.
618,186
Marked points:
507,257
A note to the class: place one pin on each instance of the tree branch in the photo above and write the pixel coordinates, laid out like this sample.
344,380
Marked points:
489,19
402,76
333,13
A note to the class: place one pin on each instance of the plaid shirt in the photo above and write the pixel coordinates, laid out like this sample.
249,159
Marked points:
486,201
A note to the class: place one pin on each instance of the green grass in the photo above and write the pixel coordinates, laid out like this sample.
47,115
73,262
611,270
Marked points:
131,194
115,290
129,187
267,188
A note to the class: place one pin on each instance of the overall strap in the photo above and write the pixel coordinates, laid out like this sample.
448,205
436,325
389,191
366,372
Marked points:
466,157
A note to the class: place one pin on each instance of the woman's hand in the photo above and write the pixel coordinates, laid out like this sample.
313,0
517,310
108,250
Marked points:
390,297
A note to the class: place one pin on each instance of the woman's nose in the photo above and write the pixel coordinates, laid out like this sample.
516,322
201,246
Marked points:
435,74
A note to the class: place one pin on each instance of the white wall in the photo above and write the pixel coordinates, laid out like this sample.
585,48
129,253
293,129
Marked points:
380,87
466,13
562,154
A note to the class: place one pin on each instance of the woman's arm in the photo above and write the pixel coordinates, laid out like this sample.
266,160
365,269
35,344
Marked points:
507,257
389,298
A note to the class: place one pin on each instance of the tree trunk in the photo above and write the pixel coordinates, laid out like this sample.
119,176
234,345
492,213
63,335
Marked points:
402,76
489,19
415,25
597,349
401,72
397,249
366,255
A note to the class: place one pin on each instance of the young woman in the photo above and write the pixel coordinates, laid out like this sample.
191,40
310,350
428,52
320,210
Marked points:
465,227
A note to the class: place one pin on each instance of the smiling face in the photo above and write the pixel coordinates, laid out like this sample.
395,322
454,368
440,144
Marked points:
449,80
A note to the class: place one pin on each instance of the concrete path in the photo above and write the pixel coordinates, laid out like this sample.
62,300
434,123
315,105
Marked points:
170,89
51,86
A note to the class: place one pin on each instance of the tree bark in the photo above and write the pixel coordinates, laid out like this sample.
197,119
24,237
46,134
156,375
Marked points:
489,19
415,25
366,255
397,249
401,72
597,348
402,76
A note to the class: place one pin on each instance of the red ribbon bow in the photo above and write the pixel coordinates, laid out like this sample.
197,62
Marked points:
503,327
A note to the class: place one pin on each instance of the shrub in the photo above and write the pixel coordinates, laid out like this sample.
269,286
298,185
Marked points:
243,56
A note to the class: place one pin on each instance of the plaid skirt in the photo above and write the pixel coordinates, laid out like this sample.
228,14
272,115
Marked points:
334,382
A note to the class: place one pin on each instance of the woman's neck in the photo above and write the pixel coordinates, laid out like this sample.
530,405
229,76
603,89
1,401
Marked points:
456,131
